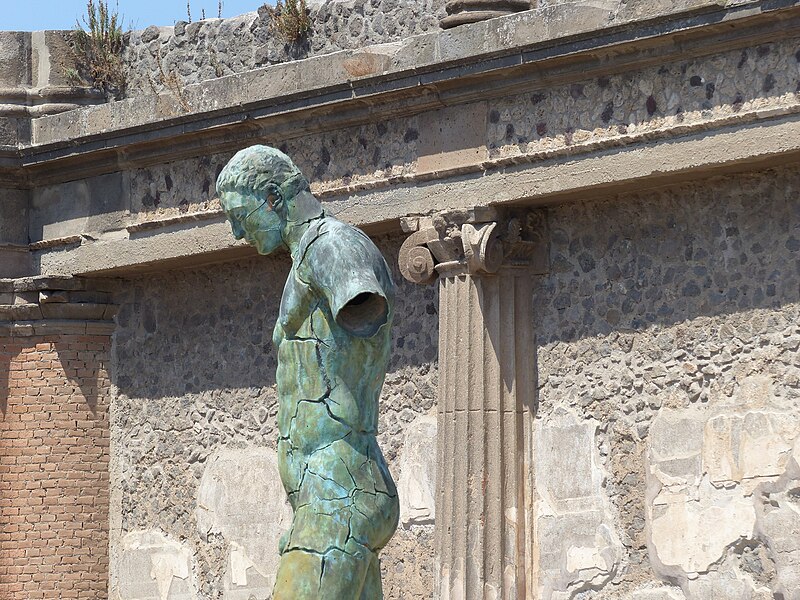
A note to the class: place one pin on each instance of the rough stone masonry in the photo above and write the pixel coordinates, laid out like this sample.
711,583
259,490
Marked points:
658,142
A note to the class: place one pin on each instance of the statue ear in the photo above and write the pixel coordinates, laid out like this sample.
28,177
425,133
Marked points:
274,198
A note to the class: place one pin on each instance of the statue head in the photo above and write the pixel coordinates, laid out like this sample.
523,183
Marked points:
264,196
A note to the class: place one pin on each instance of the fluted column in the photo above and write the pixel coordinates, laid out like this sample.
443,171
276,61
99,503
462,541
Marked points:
487,389
461,12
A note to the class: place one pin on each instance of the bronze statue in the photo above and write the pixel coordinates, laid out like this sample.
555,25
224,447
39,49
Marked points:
333,338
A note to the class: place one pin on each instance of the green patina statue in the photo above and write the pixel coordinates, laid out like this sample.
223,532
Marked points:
333,341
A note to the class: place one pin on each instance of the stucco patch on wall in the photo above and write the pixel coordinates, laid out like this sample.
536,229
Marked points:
153,566
240,497
673,327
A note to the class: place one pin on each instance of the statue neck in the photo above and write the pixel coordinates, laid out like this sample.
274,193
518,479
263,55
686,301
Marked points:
293,233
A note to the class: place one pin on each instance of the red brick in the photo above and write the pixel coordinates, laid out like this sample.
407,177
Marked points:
54,468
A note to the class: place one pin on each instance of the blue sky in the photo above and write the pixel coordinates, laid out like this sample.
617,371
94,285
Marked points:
32,15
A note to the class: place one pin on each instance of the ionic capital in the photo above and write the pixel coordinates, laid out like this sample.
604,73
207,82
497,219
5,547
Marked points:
481,241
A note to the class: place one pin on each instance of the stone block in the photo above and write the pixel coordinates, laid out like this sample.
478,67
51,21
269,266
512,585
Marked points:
414,52
38,282
20,312
324,71
462,42
48,296
14,216
26,298
241,498
96,119
417,482
15,261
91,205
62,126
452,137
60,327
366,63
635,10
153,566
14,67
96,297
272,82
129,112
51,56
70,311
578,545
99,327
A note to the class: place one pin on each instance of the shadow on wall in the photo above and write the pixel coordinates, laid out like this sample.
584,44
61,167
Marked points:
84,365
211,329
80,363
6,356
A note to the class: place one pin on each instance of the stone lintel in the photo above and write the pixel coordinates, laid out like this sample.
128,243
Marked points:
15,260
55,327
35,305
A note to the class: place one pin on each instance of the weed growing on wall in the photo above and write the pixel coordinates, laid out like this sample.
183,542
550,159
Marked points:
202,11
97,44
290,20
171,81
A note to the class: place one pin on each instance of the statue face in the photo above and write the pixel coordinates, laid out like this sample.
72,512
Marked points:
253,219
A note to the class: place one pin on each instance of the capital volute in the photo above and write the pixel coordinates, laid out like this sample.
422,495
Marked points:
481,241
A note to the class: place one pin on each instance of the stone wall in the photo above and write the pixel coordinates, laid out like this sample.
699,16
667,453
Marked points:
194,473
606,111
669,381
54,441
170,58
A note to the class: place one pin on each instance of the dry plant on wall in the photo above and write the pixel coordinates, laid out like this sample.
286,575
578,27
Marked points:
202,11
290,20
97,44
170,80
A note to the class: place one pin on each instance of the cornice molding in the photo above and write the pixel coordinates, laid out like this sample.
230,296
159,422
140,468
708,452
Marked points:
412,77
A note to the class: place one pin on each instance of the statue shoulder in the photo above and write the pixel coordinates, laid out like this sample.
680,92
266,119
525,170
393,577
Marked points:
343,265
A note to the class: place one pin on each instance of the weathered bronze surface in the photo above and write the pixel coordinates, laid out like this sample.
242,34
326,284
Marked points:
333,341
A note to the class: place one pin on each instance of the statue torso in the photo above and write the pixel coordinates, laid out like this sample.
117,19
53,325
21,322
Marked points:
329,378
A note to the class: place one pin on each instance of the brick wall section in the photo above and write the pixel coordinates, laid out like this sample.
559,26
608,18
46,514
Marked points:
54,448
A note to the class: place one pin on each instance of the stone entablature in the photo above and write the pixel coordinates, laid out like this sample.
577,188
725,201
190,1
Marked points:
56,305
389,108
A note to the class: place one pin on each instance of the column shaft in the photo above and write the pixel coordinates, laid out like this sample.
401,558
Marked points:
486,395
